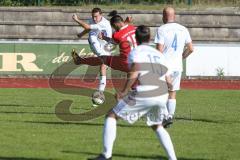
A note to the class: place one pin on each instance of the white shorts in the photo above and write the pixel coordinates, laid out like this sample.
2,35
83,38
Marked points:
99,47
153,109
176,80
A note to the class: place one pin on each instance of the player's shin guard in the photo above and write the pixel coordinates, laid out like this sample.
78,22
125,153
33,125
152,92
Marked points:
109,135
166,142
171,105
102,83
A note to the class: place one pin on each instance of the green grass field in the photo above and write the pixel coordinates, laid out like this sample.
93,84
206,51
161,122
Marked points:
207,128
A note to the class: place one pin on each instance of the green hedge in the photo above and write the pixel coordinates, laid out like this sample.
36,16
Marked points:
85,2
109,2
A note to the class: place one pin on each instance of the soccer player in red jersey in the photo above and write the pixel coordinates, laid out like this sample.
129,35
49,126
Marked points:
124,37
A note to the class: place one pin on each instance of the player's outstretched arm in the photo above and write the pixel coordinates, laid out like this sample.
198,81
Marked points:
107,39
80,22
188,50
85,31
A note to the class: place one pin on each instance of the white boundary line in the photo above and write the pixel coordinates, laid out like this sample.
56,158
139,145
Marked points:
30,41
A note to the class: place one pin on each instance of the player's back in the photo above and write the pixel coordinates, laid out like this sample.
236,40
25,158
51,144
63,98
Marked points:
125,37
152,67
174,37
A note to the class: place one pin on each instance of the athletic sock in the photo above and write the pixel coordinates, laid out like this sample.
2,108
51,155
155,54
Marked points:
102,83
171,105
109,135
166,142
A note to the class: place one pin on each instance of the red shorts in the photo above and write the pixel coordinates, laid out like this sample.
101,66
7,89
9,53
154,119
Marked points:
115,62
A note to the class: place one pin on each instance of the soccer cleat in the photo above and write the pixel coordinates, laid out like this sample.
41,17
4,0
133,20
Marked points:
75,56
100,157
167,122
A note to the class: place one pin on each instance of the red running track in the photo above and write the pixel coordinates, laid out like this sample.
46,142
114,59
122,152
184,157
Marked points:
44,83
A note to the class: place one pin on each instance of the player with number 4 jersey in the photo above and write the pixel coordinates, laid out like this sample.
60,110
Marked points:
174,41
174,37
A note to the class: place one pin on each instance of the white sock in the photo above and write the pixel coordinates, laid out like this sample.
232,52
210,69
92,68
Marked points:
166,142
109,135
171,105
102,83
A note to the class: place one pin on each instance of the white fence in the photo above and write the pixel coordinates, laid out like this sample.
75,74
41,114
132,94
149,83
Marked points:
211,59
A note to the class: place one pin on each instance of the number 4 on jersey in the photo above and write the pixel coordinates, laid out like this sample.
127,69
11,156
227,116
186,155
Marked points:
174,43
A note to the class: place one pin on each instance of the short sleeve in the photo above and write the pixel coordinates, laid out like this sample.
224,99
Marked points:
109,31
159,37
115,37
188,37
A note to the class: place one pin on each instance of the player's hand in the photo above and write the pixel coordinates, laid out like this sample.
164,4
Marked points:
79,35
100,35
119,95
75,17
129,19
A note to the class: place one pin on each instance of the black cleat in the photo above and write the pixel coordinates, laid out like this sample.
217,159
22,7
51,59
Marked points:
75,56
100,157
167,122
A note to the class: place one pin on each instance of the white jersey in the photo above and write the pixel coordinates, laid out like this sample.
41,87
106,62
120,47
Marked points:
103,26
152,104
97,45
174,37
146,54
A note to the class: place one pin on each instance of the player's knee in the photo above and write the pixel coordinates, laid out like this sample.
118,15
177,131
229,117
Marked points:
112,115
103,58
155,127
172,95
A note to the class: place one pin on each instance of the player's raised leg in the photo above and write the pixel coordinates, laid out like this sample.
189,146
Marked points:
92,61
115,62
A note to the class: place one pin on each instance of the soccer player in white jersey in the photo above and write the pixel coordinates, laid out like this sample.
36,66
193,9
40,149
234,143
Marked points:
148,68
98,24
174,41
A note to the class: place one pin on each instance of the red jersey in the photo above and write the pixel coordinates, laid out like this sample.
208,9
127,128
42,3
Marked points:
125,37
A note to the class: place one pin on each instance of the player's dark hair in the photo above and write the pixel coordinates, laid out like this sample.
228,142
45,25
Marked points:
112,13
116,19
142,34
95,10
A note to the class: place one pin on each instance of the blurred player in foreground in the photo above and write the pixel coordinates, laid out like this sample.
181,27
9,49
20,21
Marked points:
132,105
174,41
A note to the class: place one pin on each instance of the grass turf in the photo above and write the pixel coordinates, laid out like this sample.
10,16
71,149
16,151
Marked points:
207,127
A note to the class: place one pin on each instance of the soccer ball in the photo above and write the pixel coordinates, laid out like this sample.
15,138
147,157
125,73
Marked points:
98,98
109,47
